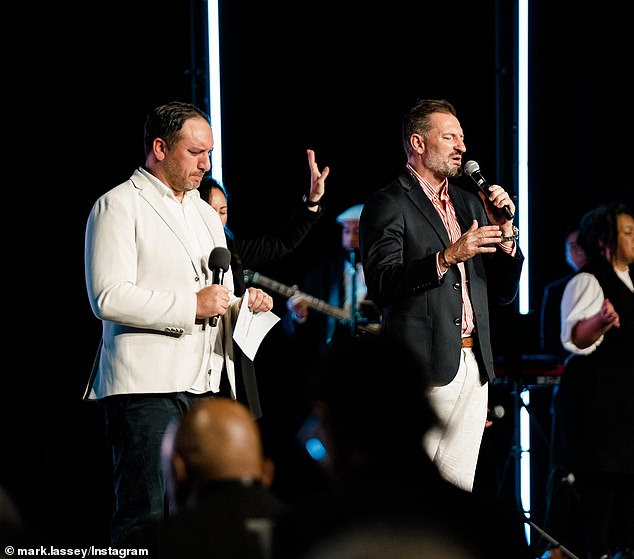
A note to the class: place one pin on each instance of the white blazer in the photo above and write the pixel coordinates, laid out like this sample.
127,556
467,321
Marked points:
142,276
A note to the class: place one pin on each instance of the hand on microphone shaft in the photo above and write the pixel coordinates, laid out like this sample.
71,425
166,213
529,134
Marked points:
499,195
219,261
212,301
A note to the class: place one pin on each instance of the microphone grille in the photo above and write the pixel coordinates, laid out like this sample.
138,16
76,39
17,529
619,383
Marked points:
471,167
220,257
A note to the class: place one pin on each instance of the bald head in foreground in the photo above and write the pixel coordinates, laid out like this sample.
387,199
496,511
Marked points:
217,439
218,482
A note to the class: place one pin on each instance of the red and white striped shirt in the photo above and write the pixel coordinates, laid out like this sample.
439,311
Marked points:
446,211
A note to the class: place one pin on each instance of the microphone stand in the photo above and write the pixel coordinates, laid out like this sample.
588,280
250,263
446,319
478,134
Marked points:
550,539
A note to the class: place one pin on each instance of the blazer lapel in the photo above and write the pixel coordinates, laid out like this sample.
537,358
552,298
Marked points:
149,193
424,205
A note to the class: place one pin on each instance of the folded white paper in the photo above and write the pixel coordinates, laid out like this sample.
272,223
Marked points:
251,327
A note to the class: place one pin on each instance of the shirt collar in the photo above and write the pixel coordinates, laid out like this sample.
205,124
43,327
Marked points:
443,194
165,190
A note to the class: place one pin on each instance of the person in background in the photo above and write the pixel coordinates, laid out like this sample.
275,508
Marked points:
594,407
382,481
260,251
562,508
550,313
317,316
147,248
435,257
219,482
335,280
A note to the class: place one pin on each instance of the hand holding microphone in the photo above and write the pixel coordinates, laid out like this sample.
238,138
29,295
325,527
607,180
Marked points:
493,414
472,169
219,261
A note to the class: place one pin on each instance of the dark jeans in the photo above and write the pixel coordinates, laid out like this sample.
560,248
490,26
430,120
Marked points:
135,425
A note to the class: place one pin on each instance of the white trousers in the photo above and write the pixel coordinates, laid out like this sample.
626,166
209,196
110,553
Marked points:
461,407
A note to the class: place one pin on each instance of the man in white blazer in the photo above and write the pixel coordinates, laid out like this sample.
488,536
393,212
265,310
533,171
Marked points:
148,242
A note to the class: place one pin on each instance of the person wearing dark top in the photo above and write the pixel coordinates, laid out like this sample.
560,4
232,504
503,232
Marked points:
437,259
259,251
550,312
371,426
215,467
594,408
336,280
562,507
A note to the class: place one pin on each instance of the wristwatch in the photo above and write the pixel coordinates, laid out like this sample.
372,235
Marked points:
308,203
513,237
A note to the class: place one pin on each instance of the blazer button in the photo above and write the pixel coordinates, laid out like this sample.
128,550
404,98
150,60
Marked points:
456,321
456,286
196,278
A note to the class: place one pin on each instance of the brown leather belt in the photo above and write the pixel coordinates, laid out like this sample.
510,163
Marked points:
467,341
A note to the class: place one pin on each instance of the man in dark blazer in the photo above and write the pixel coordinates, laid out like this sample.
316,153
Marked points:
434,257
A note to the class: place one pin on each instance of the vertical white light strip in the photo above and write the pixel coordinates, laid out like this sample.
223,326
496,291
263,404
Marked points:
525,459
524,225
213,30
522,149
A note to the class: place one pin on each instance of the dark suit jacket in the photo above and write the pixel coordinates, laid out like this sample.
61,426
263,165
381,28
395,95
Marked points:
251,254
400,234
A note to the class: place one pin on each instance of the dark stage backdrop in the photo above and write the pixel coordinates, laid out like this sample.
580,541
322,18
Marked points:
333,76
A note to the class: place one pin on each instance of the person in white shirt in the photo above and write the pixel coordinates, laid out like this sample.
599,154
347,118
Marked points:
147,249
594,408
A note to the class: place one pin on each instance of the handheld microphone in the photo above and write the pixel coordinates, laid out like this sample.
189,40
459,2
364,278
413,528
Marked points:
473,170
219,261
496,412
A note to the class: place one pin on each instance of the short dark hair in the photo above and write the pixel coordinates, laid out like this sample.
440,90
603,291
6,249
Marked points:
598,230
417,121
166,122
207,184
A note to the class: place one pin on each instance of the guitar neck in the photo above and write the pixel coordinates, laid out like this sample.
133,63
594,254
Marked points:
312,302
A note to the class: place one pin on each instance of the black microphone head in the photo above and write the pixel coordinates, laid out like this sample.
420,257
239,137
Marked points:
220,257
471,167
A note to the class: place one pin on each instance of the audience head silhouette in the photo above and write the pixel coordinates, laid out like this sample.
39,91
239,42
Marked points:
387,498
216,439
369,416
380,541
